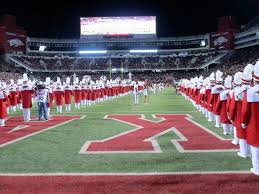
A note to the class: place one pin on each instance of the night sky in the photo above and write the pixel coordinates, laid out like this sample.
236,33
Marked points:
49,19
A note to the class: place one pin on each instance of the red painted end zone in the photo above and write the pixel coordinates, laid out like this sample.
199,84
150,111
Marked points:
211,183
11,132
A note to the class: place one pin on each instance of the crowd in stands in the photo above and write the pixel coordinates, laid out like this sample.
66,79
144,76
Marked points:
104,63
8,71
229,64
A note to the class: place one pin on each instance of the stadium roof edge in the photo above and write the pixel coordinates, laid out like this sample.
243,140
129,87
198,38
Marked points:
119,40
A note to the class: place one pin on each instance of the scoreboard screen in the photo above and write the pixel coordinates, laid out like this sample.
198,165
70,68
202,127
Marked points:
130,25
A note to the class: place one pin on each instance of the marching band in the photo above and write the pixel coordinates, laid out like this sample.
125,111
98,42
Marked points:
232,105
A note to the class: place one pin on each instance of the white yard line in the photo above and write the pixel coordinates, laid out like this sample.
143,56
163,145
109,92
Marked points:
126,173
125,112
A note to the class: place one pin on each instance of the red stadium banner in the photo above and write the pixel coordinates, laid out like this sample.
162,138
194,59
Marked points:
12,37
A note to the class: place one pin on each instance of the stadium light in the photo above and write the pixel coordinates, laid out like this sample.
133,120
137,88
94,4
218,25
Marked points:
114,69
122,69
42,48
144,51
93,52
203,43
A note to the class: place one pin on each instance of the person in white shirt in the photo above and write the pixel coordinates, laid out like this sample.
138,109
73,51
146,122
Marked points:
135,92
42,96
145,91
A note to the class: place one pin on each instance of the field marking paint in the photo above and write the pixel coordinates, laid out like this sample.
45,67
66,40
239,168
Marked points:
38,132
125,112
125,173
154,143
18,127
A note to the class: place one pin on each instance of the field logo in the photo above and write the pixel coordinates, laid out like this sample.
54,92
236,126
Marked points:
192,136
16,129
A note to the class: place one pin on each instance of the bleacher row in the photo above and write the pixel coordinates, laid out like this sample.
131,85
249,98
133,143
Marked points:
105,63
232,62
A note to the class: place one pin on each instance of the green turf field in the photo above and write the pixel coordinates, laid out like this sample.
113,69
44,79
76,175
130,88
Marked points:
57,150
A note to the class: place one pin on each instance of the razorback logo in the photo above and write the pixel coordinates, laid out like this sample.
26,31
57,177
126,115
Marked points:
15,42
16,129
220,40
192,136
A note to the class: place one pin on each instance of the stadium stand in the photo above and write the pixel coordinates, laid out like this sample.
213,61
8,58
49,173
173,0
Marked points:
102,63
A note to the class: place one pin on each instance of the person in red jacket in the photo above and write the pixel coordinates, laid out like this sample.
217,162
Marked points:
234,106
8,102
26,94
102,92
208,97
106,89
93,97
98,92
88,95
221,106
68,92
83,95
77,94
202,97
250,121
58,95
3,109
215,92
241,133
83,92
13,95
19,97
109,91
198,92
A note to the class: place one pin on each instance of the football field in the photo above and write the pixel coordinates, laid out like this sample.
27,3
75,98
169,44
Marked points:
165,146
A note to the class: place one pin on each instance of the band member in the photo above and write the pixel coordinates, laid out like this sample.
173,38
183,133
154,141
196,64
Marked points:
93,94
145,91
26,93
246,78
77,94
19,97
154,88
198,93
68,92
50,96
202,97
221,106
58,95
250,121
215,92
208,97
135,92
89,95
13,95
234,107
83,93
3,109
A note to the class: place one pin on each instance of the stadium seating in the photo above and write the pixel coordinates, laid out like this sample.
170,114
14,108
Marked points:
103,63
229,64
